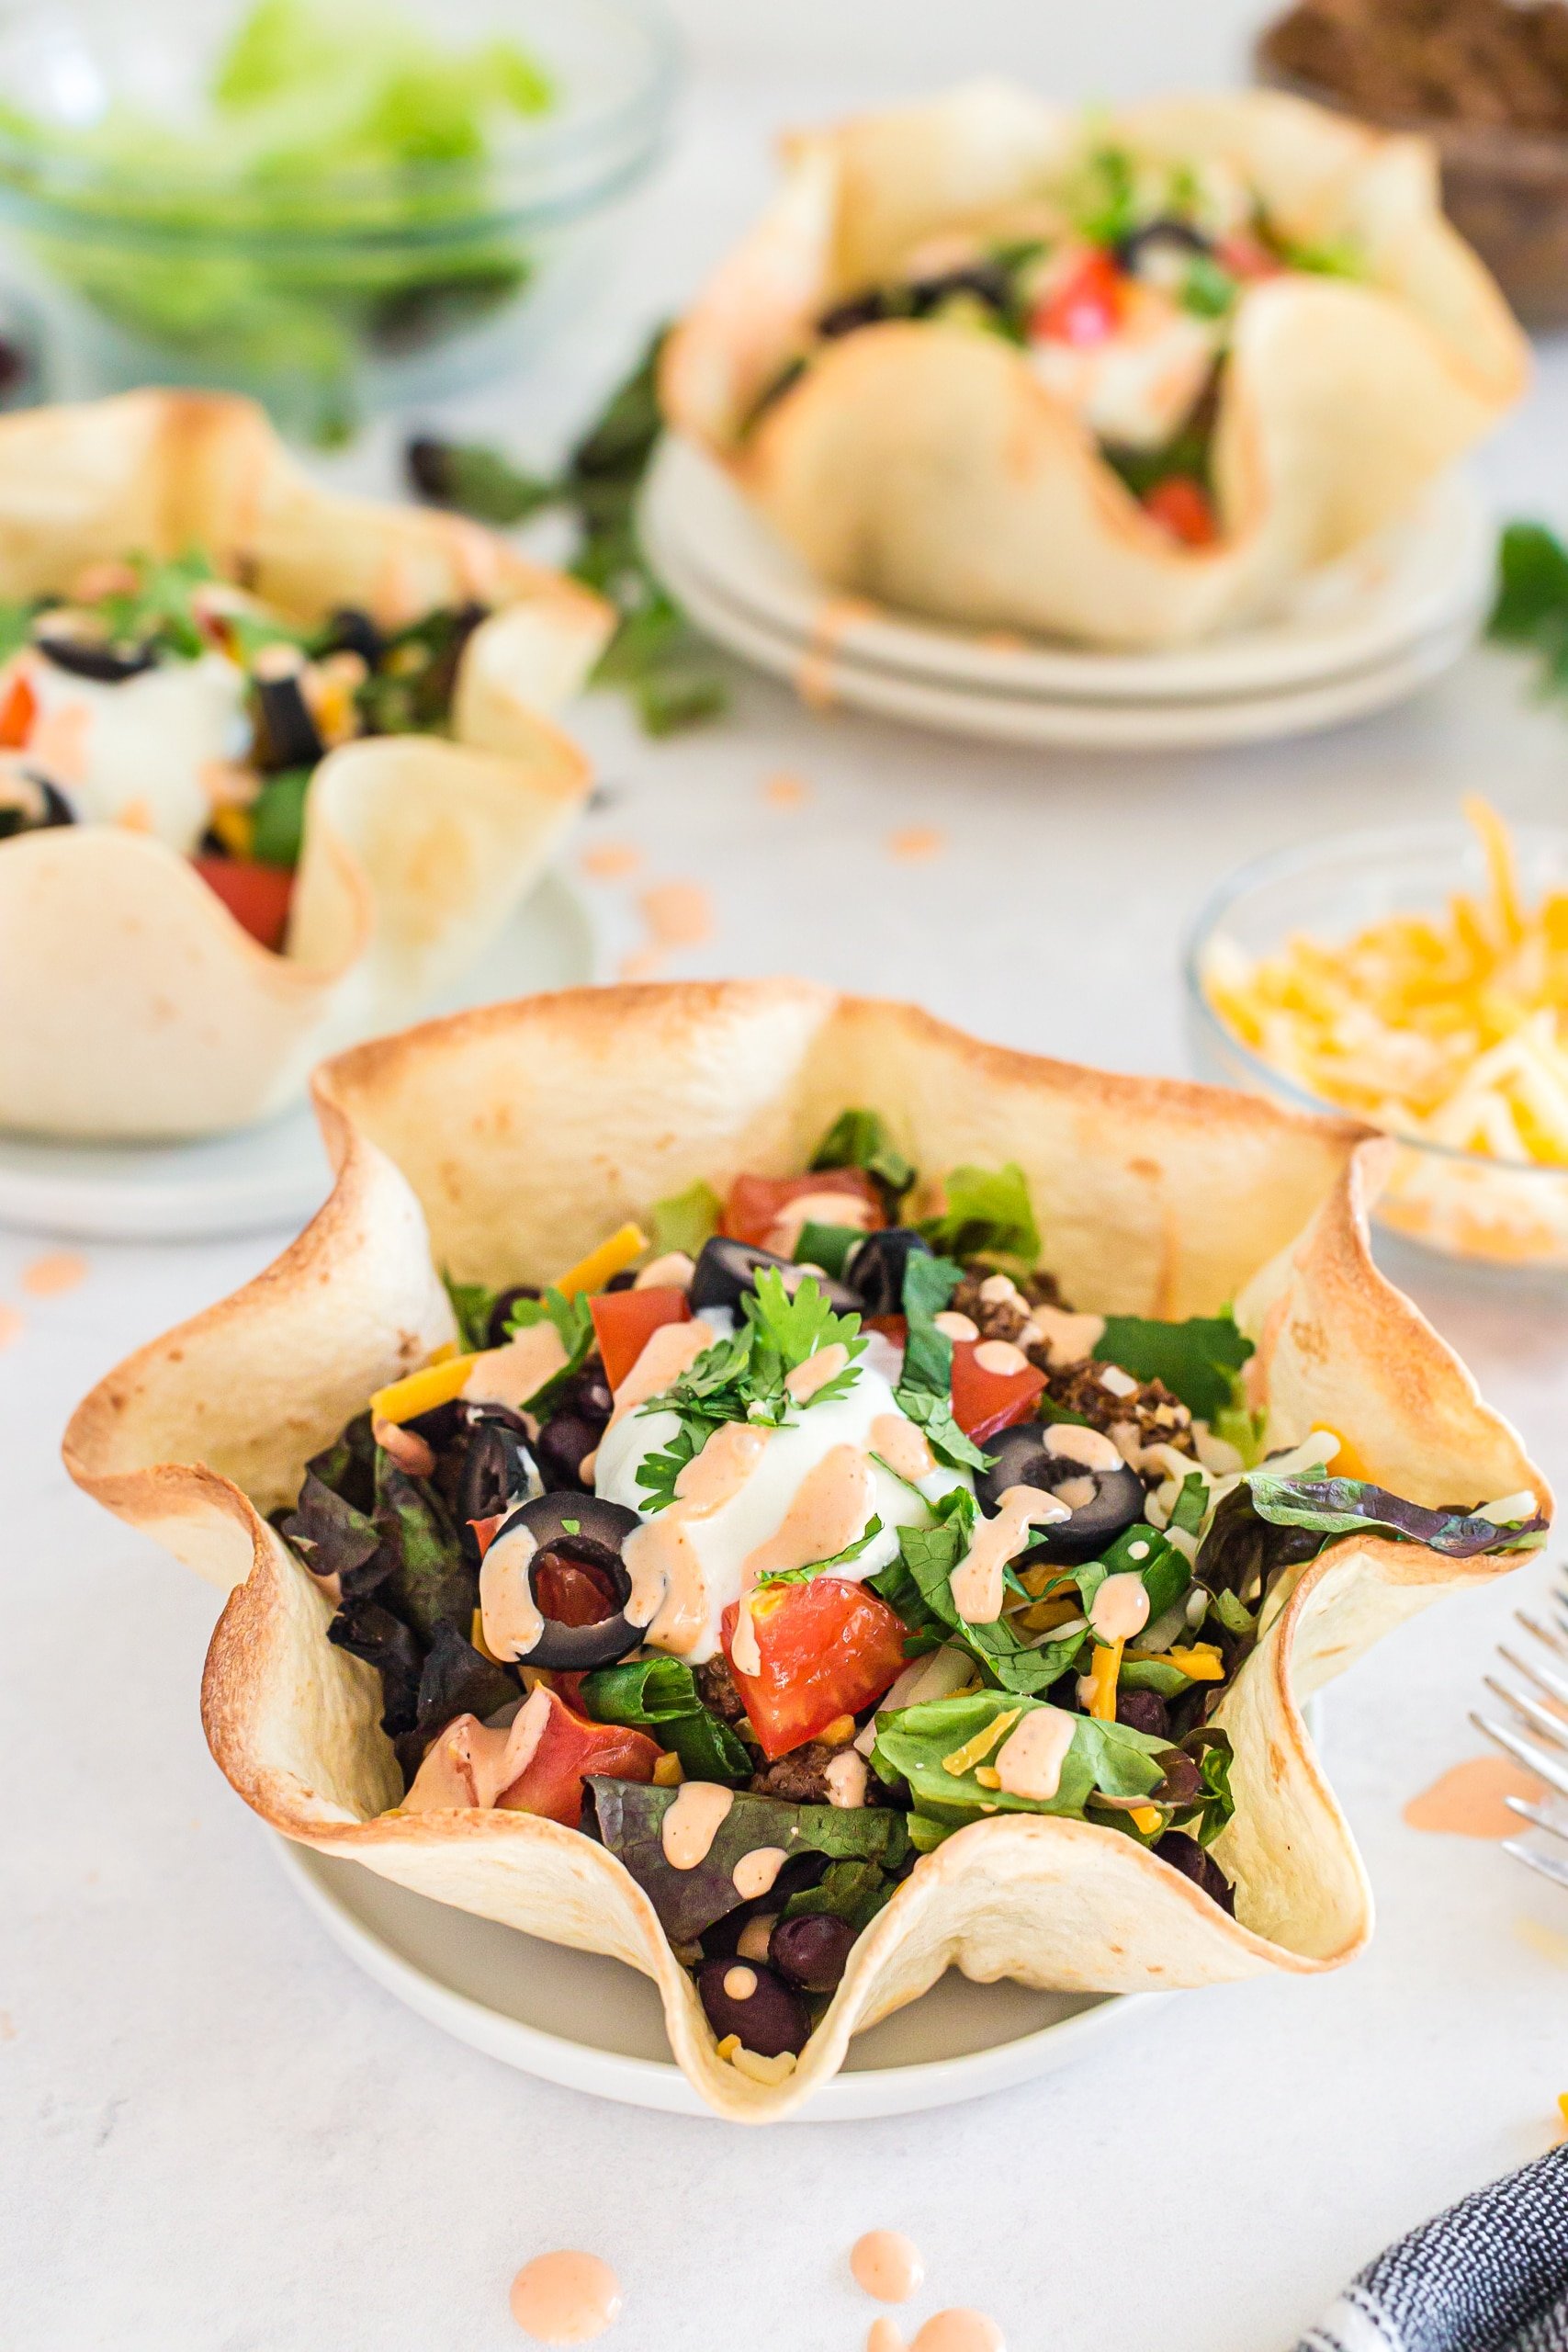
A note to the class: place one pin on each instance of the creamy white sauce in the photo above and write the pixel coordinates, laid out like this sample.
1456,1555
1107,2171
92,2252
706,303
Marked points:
136,753
717,1546
1138,385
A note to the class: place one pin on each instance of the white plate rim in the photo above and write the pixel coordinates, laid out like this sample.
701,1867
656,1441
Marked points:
694,517
1181,725
631,2081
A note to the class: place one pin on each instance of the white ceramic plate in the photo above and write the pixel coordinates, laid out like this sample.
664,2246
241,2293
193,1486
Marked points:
1181,724
271,1175
578,2019
1425,576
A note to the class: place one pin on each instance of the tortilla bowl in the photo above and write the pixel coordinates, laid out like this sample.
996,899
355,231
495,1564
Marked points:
503,1144
174,1021
929,467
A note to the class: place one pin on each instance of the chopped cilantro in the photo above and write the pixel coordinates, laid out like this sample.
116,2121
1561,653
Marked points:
867,1536
741,1377
573,1321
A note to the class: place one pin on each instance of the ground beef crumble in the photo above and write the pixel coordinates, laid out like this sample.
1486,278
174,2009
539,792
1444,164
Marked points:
716,1687
1146,1415
799,1778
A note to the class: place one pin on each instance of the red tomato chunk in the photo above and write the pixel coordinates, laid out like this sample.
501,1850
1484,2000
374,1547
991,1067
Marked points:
983,1401
756,1202
625,1320
828,1648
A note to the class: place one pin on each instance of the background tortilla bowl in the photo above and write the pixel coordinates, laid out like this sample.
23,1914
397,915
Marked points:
929,467
132,1005
500,1145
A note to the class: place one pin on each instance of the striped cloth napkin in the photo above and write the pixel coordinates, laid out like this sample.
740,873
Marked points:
1490,2275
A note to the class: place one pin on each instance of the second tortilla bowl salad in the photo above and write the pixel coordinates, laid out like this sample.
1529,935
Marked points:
283,756
758,1483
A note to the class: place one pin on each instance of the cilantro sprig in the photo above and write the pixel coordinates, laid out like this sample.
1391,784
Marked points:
742,1377
861,1543
573,1320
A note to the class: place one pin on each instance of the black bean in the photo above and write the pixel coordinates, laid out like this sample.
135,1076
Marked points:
812,1952
1186,1855
1144,1711
564,1445
766,2014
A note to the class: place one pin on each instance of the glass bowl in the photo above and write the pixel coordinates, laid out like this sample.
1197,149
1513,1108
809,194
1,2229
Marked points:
1458,1204
328,291
1505,190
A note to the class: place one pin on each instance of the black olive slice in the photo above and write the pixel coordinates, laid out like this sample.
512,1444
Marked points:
94,657
286,735
498,1470
30,804
727,1271
1174,235
875,1267
349,630
585,1530
1021,1457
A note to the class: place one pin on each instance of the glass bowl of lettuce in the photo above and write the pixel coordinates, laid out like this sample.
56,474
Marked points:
333,205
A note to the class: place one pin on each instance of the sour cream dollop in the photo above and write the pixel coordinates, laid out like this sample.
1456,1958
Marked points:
137,751
702,1550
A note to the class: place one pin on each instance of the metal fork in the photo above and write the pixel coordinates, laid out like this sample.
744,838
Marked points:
1537,1736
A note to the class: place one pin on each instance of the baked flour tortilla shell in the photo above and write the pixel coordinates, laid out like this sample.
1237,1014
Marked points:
148,1012
503,1144
929,468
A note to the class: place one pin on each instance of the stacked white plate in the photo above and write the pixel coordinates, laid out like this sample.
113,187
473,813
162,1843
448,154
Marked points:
1353,638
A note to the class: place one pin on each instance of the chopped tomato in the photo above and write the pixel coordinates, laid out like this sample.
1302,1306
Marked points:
625,1320
1087,305
1182,505
256,896
828,1648
551,1782
18,713
894,1328
485,1530
757,1203
572,1592
986,1401
1244,256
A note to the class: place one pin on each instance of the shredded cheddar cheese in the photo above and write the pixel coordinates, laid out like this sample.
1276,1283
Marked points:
1201,1663
1102,1677
611,1257
1449,1027
420,1392
974,1751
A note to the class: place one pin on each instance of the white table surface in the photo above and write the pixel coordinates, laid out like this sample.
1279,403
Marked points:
215,2134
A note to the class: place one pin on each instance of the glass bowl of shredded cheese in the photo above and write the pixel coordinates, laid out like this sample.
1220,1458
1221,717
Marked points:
1416,978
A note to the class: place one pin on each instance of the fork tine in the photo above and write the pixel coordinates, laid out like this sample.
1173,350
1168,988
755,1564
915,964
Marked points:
1538,1816
1552,1727
1513,1744
1554,1686
1556,1642
1547,1864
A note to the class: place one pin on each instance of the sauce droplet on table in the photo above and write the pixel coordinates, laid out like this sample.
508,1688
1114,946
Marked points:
888,2264
1468,1801
959,2331
565,2298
